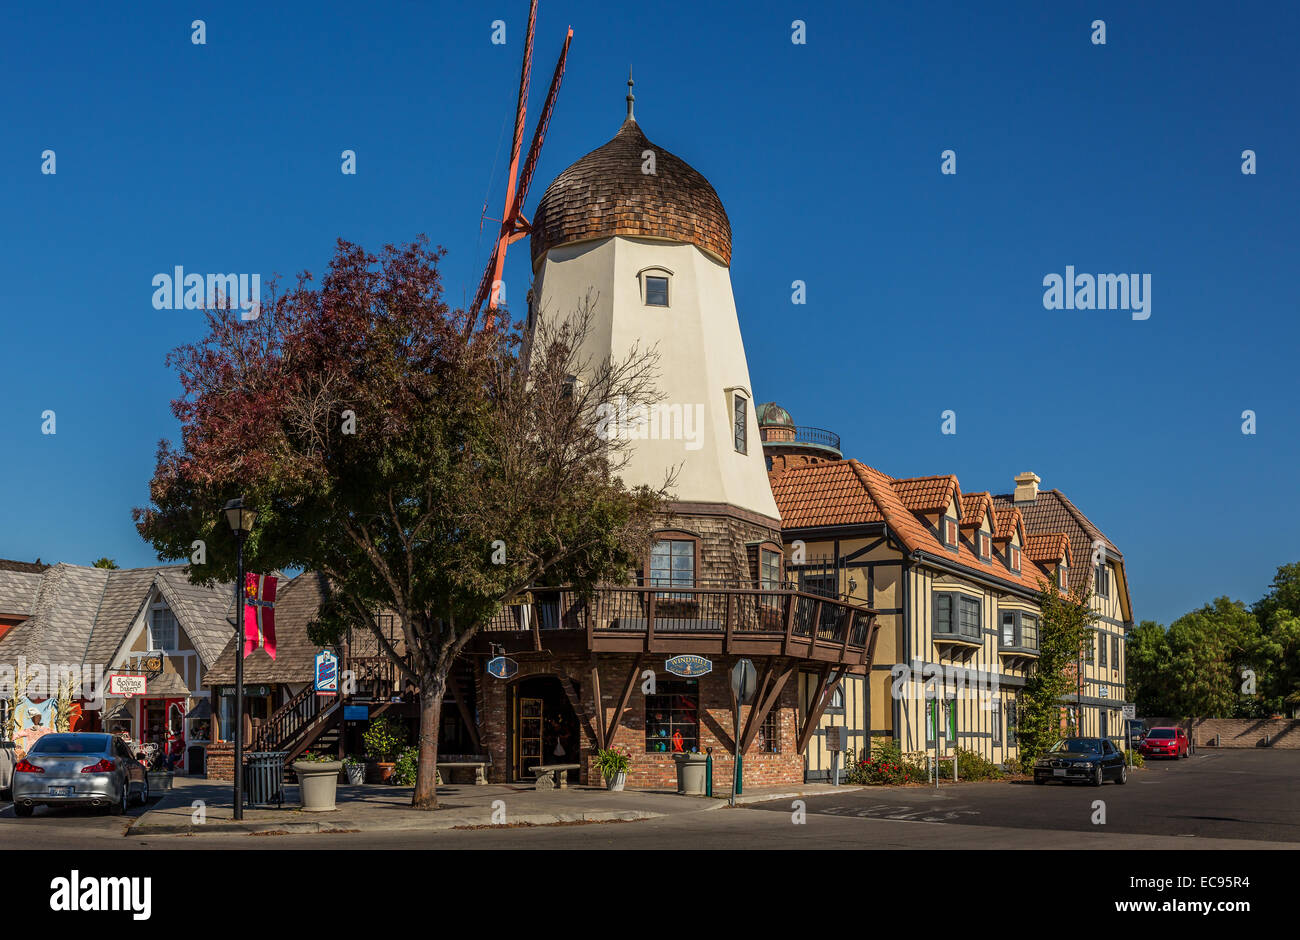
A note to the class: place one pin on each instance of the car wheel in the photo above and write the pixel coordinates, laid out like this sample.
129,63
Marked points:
1097,778
144,792
118,808
22,812
1040,780
1123,774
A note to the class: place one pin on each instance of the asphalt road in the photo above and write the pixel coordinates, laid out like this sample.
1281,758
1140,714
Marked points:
1237,794
1224,799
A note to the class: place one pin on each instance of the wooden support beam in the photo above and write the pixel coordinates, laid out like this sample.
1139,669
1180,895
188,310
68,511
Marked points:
792,601
579,709
465,714
821,698
617,720
650,622
601,739
773,696
534,622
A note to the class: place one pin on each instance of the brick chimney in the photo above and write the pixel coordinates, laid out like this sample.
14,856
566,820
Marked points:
1027,487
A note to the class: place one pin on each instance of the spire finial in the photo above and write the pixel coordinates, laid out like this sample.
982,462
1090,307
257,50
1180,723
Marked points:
630,97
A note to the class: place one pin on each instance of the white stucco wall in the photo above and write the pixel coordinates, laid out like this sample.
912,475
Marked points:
701,356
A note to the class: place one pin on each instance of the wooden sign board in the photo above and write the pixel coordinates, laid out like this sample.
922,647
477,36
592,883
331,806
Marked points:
835,738
120,684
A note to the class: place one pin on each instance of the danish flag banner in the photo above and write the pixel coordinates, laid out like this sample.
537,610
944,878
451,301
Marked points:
259,613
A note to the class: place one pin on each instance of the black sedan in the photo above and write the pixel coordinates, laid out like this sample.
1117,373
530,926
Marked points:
1089,760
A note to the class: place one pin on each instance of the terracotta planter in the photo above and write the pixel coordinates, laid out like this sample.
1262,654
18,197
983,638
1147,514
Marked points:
318,783
379,771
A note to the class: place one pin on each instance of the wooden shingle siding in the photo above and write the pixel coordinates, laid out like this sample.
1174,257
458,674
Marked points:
606,193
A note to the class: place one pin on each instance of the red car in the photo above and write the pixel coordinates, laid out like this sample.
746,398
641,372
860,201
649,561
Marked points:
1165,742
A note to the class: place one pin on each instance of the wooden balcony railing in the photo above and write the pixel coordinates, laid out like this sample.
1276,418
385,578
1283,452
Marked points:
782,621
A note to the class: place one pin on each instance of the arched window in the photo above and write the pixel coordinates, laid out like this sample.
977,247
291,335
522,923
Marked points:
655,284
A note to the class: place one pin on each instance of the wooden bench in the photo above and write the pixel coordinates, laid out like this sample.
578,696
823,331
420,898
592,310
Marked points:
551,776
480,768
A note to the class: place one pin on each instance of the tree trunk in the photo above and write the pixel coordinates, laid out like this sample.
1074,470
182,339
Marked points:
431,693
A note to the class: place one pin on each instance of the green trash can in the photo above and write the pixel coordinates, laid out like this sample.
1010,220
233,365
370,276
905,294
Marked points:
264,778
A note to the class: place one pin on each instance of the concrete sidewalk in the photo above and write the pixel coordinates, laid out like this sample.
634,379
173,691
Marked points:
198,807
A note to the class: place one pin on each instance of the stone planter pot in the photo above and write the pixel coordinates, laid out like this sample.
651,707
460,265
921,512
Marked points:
616,782
690,773
318,782
356,773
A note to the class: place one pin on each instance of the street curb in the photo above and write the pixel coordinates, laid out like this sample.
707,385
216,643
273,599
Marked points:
420,825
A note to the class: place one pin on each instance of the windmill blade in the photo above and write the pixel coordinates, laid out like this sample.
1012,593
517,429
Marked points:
539,134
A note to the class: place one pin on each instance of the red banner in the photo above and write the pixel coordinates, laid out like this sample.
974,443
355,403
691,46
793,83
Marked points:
259,613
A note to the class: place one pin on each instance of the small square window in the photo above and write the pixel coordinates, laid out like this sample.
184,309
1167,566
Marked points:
656,291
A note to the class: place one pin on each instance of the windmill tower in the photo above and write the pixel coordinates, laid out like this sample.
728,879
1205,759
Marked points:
646,238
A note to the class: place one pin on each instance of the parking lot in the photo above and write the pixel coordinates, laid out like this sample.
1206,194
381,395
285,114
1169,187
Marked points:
1228,794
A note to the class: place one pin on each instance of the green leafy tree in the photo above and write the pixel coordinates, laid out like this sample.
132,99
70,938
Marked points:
1066,626
1210,649
427,469
1278,613
106,563
1149,660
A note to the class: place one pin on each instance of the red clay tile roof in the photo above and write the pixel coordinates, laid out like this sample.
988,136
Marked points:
846,492
1048,547
973,508
927,494
1009,520
823,494
1052,511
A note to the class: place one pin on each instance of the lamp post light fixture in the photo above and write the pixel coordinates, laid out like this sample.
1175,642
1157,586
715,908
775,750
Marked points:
241,520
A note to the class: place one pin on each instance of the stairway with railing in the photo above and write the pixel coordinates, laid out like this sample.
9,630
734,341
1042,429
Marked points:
298,723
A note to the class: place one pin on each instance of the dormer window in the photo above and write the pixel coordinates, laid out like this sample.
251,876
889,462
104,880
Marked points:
985,542
1013,558
1061,576
949,528
654,286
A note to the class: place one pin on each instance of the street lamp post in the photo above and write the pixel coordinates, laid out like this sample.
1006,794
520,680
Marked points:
241,520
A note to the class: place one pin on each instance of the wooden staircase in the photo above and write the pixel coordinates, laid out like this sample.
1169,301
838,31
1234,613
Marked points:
305,720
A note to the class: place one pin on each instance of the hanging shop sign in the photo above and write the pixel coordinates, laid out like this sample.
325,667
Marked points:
689,666
121,684
503,667
327,673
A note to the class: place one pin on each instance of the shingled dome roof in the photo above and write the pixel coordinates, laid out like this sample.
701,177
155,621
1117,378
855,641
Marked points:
606,193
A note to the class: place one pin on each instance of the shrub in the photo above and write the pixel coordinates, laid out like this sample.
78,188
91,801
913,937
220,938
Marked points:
384,738
887,765
406,768
971,766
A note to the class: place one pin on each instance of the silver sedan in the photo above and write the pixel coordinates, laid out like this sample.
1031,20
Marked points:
78,769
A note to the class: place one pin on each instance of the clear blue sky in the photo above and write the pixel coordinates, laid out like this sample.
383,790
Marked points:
924,290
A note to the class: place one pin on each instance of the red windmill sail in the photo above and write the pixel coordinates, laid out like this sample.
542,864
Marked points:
514,225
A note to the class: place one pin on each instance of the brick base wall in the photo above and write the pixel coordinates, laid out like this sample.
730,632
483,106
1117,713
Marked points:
220,763
1238,732
655,770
